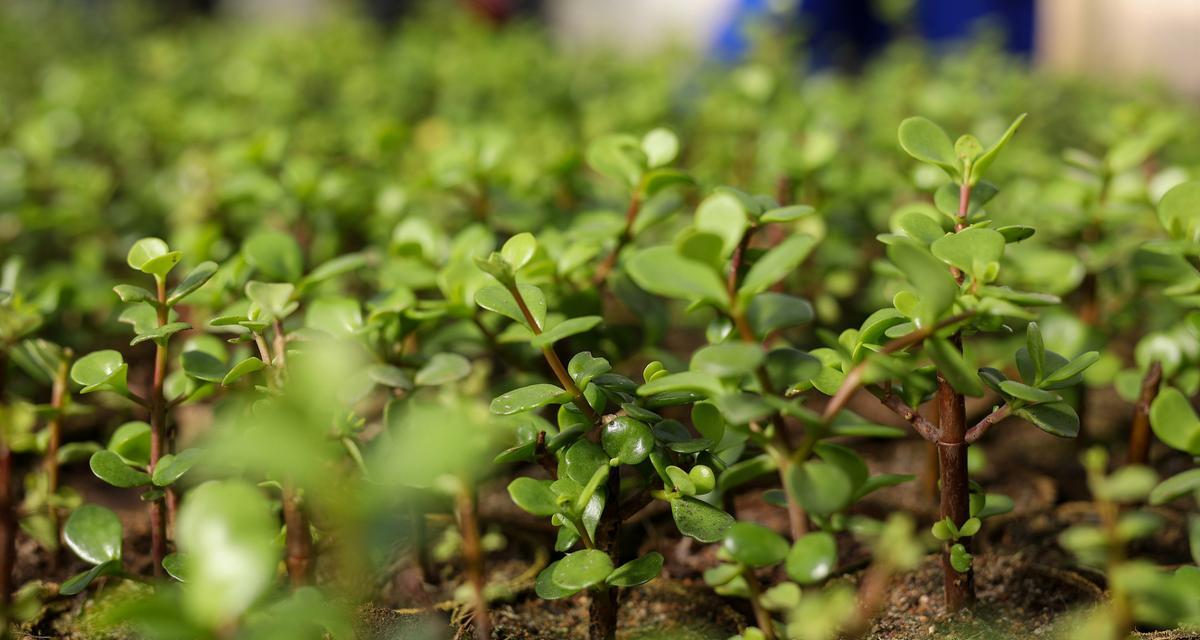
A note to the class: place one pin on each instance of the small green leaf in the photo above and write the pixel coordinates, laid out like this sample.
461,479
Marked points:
754,545
1055,418
723,215
527,398
627,440
662,271
789,213
728,359
770,311
1027,393
1179,212
1175,422
582,569
519,250
131,441
202,365
443,368
335,267
564,329
130,293
275,255
94,534
951,365
927,142
546,588
1132,483
243,368
533,496
660,146
174,564
80,581
929,278
775,265
1176,487
691,381
100,371
583,367
152,256
812,557
971,250
336,315
821,488
700,520
635,572
985,160
171,467
970,527
1068,374
192,281
273,299
110,468
161,334
960,559
498,299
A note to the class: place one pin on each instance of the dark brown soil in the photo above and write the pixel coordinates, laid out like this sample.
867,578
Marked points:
1018,600
659,610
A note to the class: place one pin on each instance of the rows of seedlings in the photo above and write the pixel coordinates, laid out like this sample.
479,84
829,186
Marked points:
444,333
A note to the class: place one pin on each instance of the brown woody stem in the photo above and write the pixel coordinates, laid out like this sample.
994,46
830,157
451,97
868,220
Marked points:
631,213
468,526
1139,434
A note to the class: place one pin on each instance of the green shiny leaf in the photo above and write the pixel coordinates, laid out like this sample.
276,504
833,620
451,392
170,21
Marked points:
245,367
498,299
662,271
929,278
1176,487
812,558
821,488
700,520
441,369
728,359
985,160
94,534
636,572
80,581
192,281
1055,418
565,329
971,250
275,255
152,256
754,545
776,264
172,467
100,371
527,398
582,569
627,440
533,496
131,441
1175,422
202,366
110,468
927,142
546,588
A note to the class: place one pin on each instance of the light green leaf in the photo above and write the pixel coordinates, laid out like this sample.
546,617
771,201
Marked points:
192,281
94,534
812,558
109,467
498,299
582,569
776,264
927,142
754,545
565,329
527,398
635,572
988,157
276,255
152,256
443,368
662,271
1175,422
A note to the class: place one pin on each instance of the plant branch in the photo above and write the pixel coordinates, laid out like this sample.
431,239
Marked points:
556,365
998,415
1139,433
631,213
923,427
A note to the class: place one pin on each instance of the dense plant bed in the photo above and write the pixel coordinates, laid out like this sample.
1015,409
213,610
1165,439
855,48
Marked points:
443,332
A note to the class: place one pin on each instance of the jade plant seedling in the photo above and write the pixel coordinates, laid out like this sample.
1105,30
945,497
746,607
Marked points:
152,315
587,451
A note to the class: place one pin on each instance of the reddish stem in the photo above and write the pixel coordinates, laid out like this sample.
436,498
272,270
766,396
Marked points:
1139,434
631,213
158,426
468,526
58,396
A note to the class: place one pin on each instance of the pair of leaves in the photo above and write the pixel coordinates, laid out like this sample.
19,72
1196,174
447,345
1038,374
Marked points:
591,568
